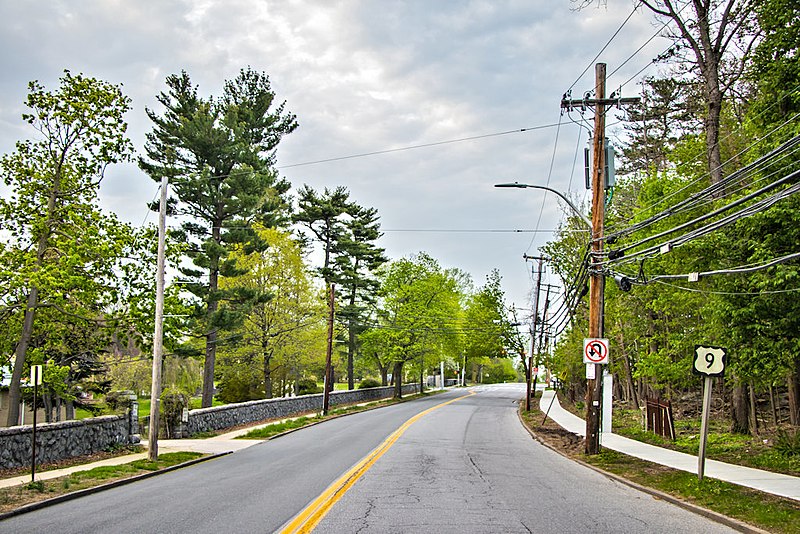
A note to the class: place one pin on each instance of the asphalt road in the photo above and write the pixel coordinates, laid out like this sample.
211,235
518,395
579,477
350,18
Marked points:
468,467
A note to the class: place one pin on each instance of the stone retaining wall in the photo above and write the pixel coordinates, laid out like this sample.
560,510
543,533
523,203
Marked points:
65,439
231,415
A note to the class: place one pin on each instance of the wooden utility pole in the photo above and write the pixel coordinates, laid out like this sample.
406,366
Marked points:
534,324
329,351
158,336
594,387
597,282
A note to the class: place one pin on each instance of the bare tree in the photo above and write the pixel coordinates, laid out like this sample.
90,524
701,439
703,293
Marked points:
713,39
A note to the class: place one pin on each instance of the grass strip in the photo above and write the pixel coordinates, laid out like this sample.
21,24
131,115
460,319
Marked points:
40,490
765,511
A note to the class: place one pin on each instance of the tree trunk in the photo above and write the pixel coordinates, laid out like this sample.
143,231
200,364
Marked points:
267,370
384,370
14,391
714,101
739,410
70,411
58,409
753,410
47,402
793,383
208,366
351,349
631,387
398,380
772,405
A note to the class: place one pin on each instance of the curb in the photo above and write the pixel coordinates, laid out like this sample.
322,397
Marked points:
699,510
97,489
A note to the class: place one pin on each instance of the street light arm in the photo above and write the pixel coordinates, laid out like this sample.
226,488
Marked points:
577,212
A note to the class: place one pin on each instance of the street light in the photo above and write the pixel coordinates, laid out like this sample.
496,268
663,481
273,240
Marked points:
596,290
518,185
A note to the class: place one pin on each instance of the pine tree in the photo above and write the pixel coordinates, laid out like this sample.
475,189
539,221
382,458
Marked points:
219,154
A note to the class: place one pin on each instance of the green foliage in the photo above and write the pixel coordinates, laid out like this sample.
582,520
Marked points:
419,314
308,386
238,384
499,370
61,251
219,154
118,400
787,442
279,335
369,383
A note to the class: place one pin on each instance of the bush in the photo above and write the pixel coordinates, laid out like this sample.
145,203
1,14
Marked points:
787,443
307,386
119,400
369,383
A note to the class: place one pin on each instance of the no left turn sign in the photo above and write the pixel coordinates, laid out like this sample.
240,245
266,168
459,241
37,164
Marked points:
595,350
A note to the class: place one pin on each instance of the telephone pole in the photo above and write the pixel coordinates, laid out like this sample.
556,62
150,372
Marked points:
594,386
534,323
158,335
328,382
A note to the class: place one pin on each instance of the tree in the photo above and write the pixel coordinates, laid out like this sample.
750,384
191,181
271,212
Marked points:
718,36
360,258
713,39
420,307
57,232
486,329
347,233
666,111
219,154
274,326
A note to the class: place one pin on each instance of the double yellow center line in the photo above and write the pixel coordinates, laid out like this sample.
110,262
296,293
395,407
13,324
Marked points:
310,517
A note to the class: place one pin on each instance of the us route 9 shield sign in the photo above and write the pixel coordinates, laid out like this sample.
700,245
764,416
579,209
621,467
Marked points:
709,361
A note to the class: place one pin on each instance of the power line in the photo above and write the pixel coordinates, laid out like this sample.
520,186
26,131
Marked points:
711,190
476,231
735,293
592,62
742,269
414,147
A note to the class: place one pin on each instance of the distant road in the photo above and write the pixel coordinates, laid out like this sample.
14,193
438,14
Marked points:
465,467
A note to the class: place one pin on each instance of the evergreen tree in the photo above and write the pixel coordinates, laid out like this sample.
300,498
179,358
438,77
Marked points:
219,154
356,265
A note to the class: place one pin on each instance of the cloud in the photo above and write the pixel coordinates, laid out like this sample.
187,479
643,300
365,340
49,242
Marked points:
361,76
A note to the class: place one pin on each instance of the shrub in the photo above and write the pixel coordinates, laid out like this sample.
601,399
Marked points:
369,383
787,443
119,400
307,386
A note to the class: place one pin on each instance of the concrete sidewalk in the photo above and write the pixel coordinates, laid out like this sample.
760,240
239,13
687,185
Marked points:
774,483
216,445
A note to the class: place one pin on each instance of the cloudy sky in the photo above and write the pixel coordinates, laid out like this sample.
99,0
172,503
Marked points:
368,76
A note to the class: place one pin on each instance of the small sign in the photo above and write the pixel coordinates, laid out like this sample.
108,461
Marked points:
595,350
36,375
590,374
709,361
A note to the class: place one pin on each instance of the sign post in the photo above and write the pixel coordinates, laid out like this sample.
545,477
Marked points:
708,362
